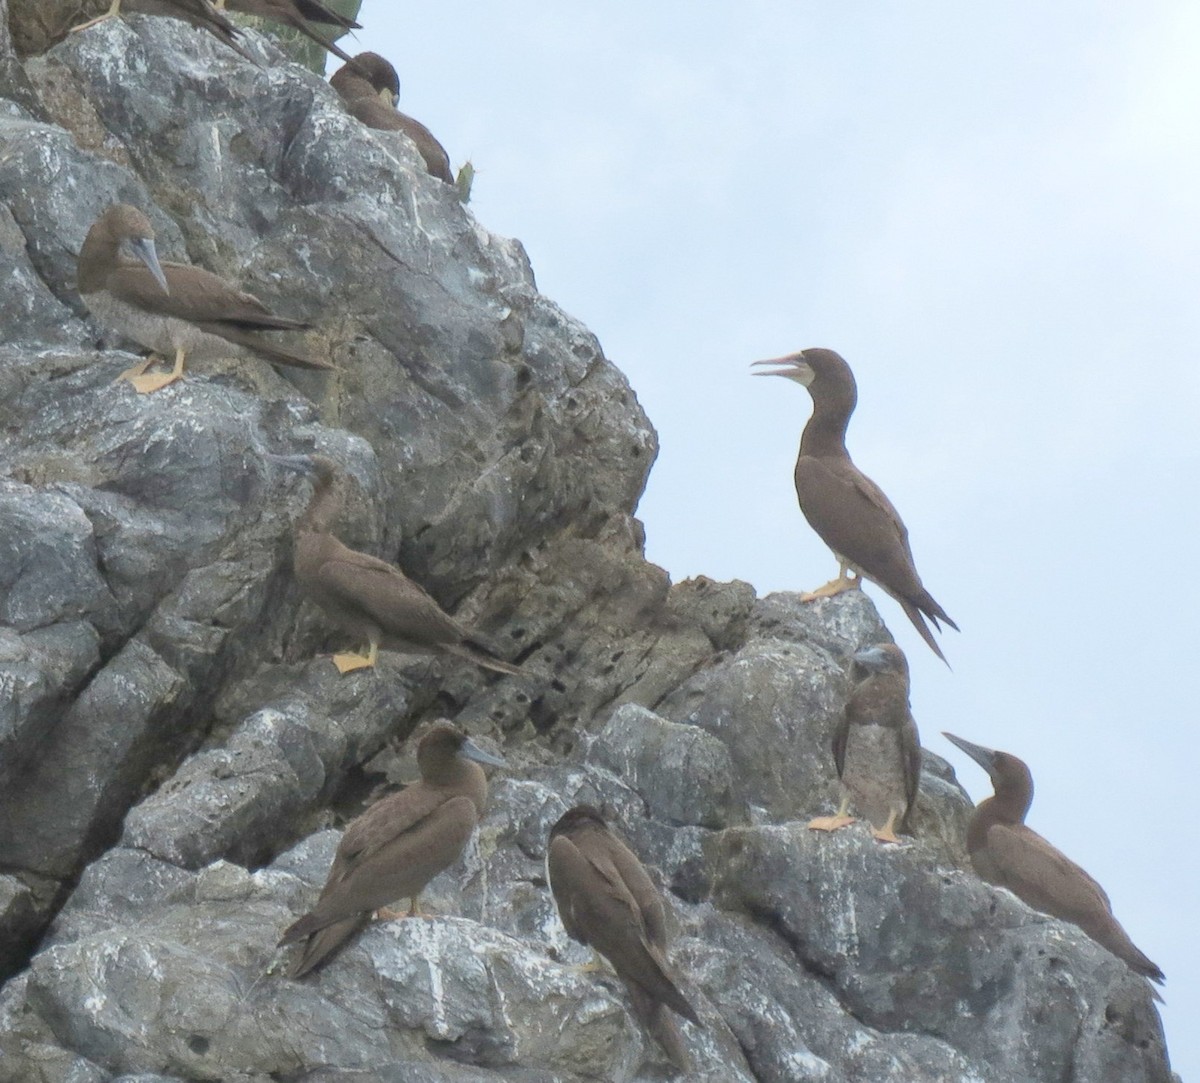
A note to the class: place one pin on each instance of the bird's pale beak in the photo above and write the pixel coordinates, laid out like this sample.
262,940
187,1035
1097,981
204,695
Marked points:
985,757
871,657
143,248
473,752
793,367
388,98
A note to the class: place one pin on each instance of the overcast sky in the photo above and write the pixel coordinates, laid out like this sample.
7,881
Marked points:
993,213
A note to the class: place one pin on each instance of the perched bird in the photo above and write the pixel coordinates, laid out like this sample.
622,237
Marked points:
296,14
199,13
1008,854
398,845
365,596
171,307
876,747
606,900
845,507
370,89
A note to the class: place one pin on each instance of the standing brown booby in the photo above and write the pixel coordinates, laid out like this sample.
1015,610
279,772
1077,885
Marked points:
370,89
845,507
1008,854
171,307
876,747
365,596
398,845
606,900
296,14
198,13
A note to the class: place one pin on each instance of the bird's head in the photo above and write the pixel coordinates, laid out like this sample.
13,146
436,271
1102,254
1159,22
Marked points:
807,367
129,232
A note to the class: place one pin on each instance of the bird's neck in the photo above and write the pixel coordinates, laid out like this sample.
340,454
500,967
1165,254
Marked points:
825,433
1006,806
98,256
462,776
322,511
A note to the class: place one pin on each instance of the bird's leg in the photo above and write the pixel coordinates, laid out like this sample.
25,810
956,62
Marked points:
348,663
596,965
887,833
843,582
841,818
136,370
144,384
386,913
113,10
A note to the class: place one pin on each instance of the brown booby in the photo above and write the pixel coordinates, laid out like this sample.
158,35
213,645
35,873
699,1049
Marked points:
199,13
1008,854
171,307
845,507
398,845
367,597
876,747
370,89
607,901
296,14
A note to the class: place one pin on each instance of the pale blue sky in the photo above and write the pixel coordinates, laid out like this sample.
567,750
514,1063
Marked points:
993,212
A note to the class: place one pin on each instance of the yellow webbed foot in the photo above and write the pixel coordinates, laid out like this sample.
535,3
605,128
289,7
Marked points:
835,586
136,370
145,384
887,833
386,913
830,823
597,965
348,663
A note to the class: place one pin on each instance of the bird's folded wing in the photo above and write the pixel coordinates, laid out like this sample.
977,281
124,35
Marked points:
383,823
386,595
641,889
853,516
1043,876
196,295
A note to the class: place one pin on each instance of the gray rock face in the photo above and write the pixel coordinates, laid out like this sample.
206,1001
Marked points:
178,755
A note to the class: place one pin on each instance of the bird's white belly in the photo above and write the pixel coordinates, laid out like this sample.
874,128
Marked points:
873,772
162,334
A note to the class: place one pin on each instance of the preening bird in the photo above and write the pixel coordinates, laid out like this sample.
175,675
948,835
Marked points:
370,88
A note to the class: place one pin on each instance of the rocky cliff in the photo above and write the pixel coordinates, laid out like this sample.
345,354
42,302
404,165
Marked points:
177,755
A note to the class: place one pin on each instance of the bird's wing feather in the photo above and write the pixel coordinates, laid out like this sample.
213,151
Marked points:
633,876
598,908
391,851
387,596
841,734
589,884
196,295
383,822
1041,875
856,520
911,743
